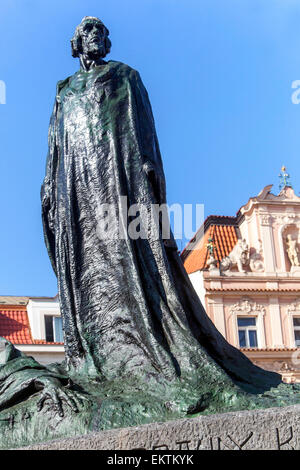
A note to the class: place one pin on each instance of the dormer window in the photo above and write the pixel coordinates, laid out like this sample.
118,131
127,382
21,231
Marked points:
53,329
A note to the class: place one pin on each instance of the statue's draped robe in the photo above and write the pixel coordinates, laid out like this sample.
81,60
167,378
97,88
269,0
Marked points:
20,375
128,307
139,345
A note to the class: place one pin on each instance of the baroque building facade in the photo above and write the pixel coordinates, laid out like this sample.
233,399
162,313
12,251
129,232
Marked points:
246,271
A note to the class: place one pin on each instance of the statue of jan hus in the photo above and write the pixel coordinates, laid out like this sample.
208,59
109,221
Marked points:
127,305
137,339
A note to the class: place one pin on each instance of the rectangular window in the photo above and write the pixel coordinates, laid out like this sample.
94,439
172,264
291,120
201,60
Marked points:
54,330
296,322
247,332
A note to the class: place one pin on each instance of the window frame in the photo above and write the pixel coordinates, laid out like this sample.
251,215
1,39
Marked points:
252,309
297,328
293,311
246,329
53,328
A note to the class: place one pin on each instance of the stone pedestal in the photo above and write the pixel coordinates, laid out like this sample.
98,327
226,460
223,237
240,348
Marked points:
270,429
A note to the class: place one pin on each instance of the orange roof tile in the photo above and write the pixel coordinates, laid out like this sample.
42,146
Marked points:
15,326
43,341
225,238
197,258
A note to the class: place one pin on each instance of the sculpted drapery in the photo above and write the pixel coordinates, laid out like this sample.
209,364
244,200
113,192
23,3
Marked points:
127,305
139,345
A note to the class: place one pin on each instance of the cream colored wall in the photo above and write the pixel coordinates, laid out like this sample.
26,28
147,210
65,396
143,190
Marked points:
37,309
290,308
213,308
268,329
275,327
231,313
198,284
47,358
43,353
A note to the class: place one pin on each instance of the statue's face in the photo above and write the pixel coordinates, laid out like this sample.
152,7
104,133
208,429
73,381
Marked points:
93,39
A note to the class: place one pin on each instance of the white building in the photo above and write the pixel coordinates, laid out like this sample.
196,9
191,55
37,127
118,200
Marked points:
33,325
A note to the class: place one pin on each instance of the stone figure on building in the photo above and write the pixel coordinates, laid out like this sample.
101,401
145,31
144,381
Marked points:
256,259
212,262
239,257
292,250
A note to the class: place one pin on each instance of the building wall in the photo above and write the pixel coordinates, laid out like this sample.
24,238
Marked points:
22,321
268,290
43,355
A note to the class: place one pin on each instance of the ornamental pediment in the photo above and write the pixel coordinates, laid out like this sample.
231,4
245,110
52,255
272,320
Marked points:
247,306
286,196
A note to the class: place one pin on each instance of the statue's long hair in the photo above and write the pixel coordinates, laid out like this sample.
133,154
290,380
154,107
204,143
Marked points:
76,42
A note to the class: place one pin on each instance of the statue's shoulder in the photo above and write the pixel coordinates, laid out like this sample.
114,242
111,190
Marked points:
61,84
113,69
122,69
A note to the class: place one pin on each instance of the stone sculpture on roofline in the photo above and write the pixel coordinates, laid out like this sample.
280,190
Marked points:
139,345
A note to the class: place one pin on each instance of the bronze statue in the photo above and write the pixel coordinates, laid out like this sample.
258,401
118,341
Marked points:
139,345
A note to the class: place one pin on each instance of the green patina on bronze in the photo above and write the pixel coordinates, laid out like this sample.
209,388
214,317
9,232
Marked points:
139,345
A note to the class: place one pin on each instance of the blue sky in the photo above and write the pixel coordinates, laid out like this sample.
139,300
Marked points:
219,76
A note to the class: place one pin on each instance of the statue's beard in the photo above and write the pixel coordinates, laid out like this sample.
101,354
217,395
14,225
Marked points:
94,51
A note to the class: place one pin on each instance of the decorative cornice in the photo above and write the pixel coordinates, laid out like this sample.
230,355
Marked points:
247,306
266,219
287,218
280,218
294,307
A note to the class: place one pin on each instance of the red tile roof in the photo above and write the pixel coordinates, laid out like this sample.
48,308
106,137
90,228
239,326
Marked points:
196,258
270,349
15,326
224,236
43,341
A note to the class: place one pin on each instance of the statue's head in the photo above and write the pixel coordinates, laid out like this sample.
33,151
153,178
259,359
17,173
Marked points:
91,39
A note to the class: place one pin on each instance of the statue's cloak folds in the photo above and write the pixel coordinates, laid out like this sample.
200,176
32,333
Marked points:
127,305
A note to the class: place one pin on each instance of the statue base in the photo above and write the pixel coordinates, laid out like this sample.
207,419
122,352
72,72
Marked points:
268,429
